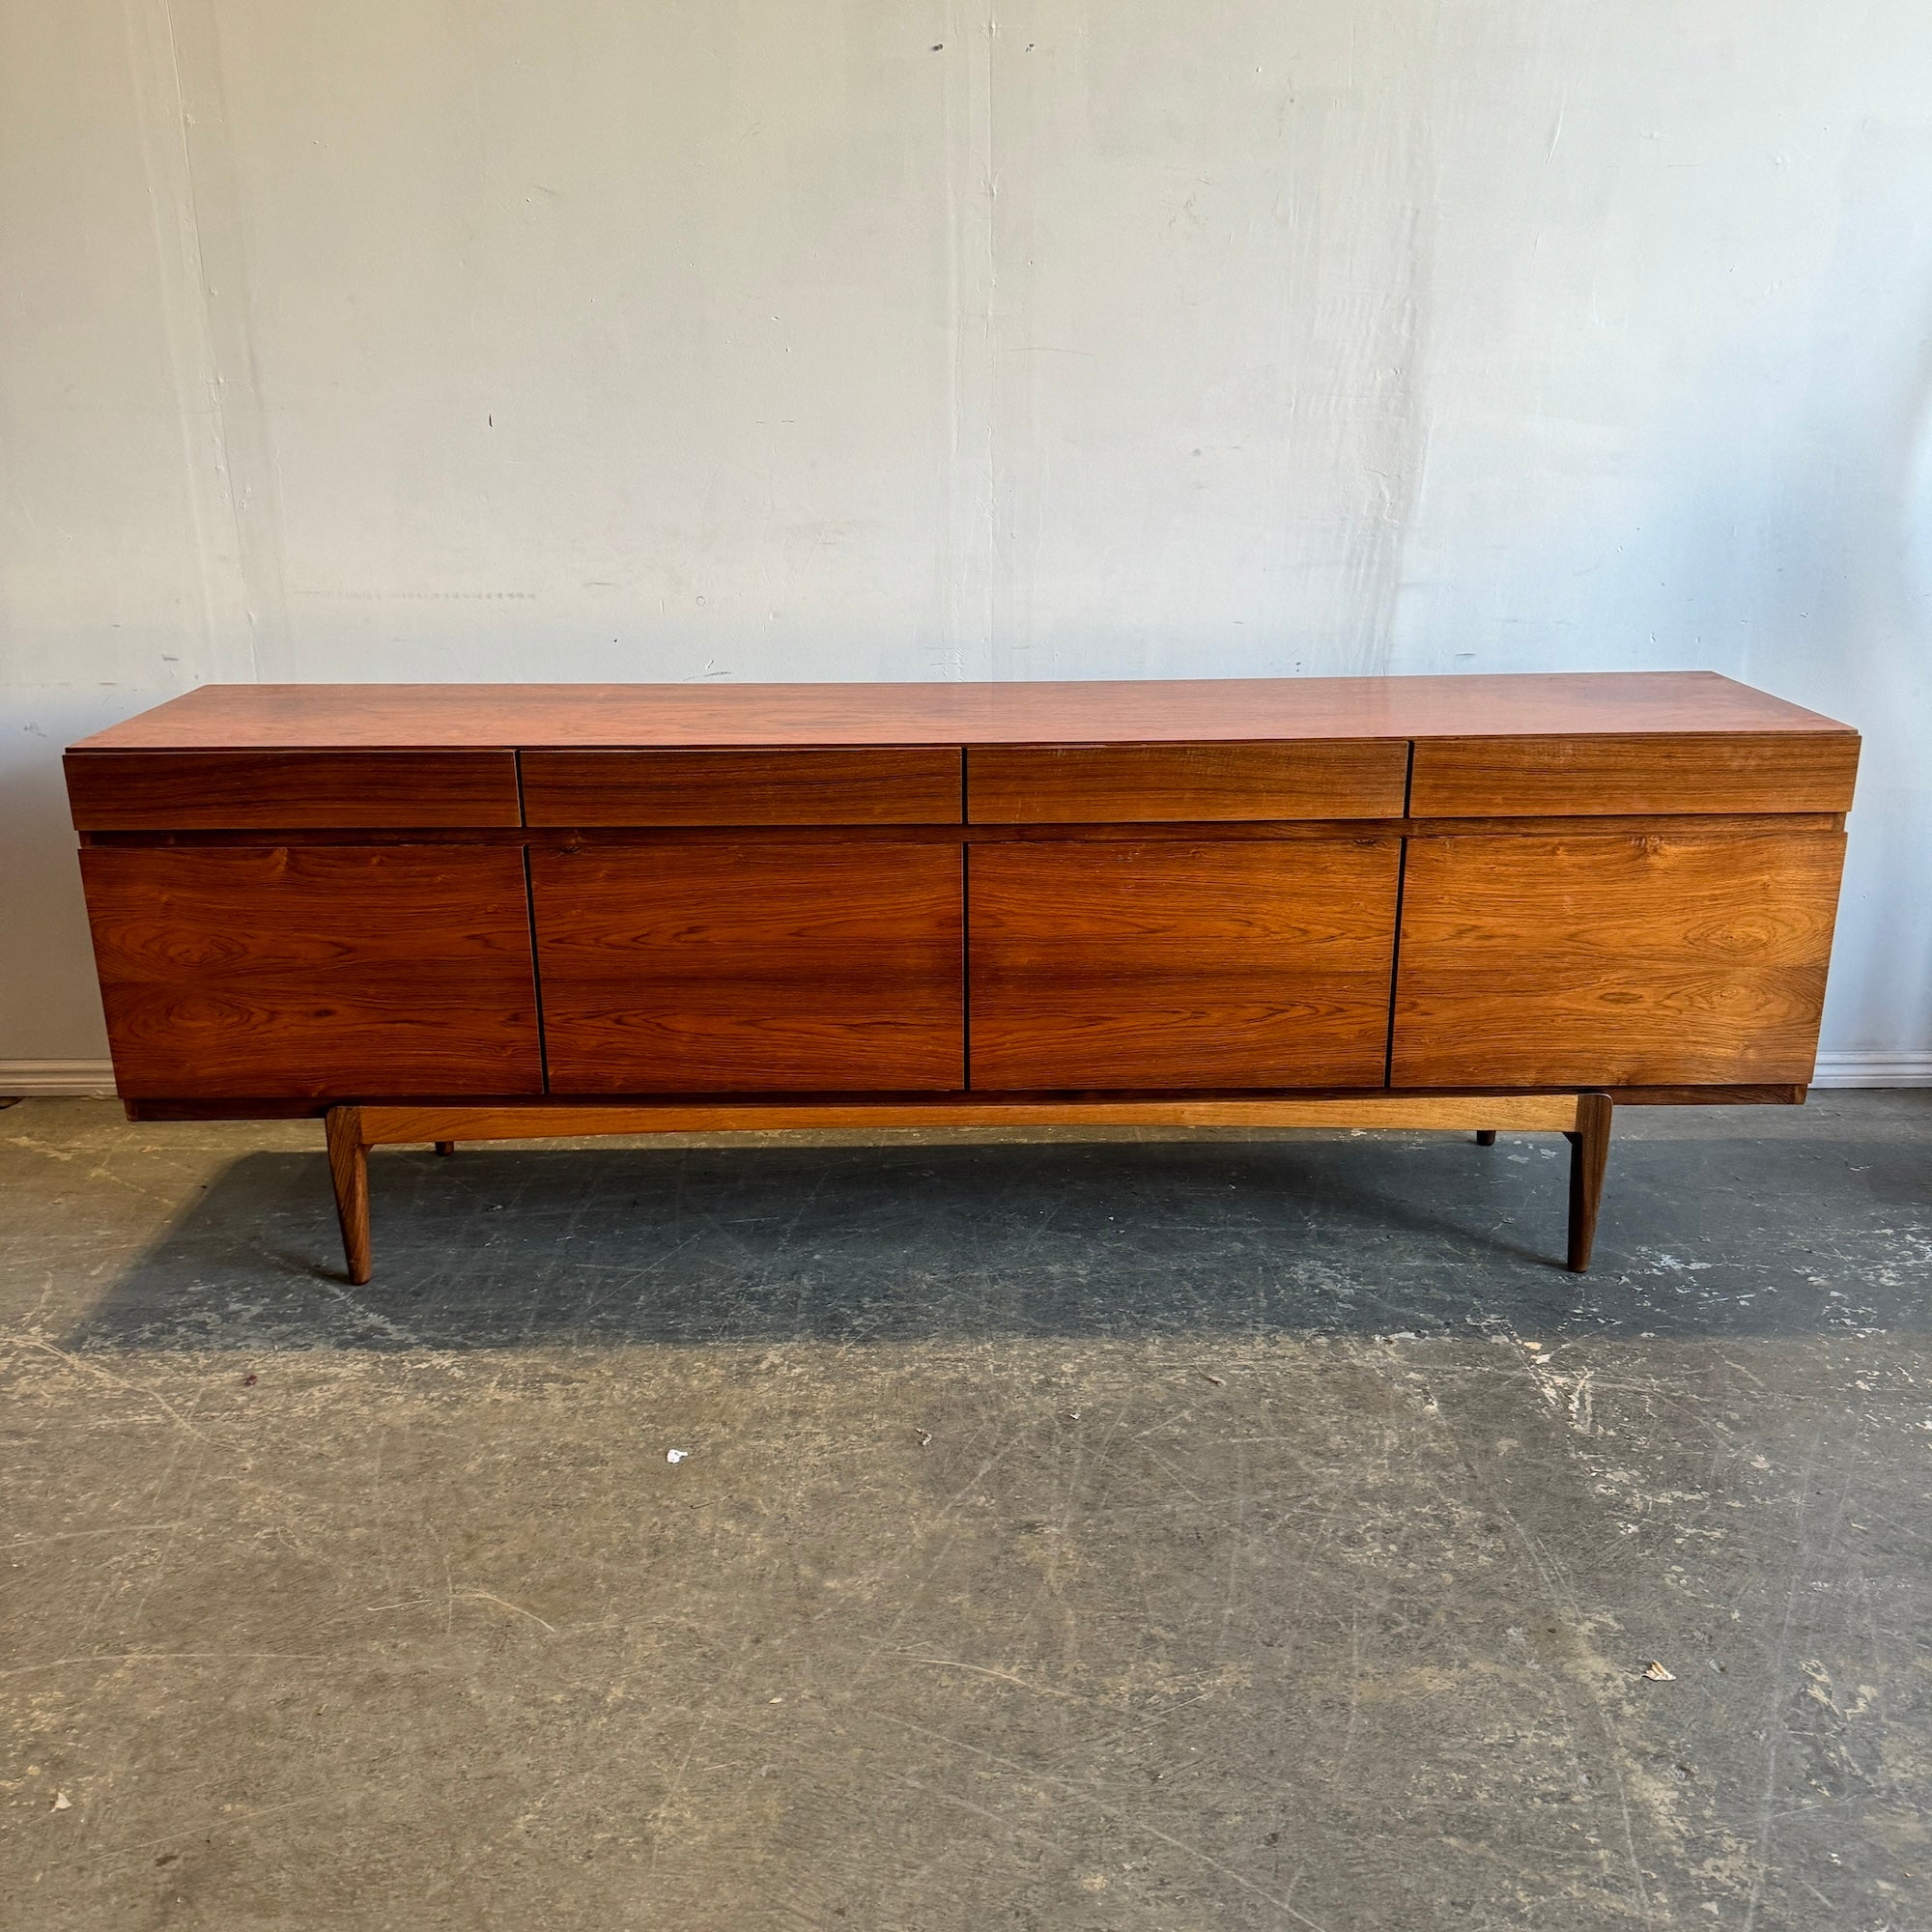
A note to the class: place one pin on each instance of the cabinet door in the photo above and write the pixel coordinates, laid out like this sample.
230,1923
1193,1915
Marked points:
750,967
1259,963
315,972
1674,958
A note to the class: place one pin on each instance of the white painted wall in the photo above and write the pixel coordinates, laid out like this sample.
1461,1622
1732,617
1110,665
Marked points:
913,338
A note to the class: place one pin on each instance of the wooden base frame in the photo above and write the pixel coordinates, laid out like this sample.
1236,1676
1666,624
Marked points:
1583,1119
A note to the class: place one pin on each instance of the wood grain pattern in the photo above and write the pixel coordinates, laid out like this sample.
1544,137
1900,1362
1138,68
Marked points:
1163,965
286,791
1329,778
531,715
895,785
1690,772
751,967
1518,1113
267,972
1679,959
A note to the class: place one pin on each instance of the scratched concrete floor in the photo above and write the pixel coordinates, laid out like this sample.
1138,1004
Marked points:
1095,1535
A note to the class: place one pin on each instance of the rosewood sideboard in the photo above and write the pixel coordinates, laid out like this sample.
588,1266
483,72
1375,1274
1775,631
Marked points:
435,913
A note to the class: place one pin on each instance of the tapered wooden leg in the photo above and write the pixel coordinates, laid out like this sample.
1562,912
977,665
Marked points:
348,1169
1486,1137
1589,1154
445,1146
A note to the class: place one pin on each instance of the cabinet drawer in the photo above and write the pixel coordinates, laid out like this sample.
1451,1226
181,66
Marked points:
1066,785
224,791
893,785
1694,772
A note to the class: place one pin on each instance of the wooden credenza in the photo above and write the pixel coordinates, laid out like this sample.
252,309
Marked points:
467,911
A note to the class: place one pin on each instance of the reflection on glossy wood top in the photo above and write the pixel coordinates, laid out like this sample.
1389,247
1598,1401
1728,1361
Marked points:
368,716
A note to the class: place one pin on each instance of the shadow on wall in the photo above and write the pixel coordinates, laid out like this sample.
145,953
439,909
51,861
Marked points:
1323,1234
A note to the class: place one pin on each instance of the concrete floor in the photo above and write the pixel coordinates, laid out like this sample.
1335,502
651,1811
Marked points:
1111,1534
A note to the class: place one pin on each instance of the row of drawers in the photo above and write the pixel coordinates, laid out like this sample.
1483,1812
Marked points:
996,785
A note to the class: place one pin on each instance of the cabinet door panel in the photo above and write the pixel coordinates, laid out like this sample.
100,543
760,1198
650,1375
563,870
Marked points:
316,972
1652,960
753,967
1102,965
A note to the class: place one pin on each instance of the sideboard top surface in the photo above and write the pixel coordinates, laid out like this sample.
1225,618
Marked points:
322,717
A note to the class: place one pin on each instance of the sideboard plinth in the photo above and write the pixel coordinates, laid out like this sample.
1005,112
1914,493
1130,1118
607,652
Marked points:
1583,1119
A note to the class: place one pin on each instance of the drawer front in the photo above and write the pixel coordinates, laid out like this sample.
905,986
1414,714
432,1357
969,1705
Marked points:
753,967
1129,784
1652,960
1709,772
315,972
909,785
1171,965
291,791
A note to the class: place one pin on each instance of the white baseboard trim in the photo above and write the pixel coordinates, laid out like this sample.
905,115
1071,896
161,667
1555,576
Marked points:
1873,1069
49,1079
